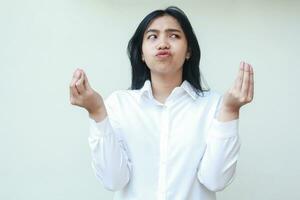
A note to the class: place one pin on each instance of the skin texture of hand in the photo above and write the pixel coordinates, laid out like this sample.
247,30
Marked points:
240,94
82,94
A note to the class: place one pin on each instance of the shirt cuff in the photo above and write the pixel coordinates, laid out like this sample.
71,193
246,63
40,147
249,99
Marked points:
223,130
100,129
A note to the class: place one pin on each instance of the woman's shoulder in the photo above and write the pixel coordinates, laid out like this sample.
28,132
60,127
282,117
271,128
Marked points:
210,94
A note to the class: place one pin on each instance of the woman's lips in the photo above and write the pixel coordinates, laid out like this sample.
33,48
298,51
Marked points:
163,54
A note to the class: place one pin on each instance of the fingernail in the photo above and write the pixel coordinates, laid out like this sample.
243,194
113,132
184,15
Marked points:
241,65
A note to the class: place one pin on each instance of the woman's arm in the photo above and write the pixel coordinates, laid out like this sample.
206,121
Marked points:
109,159
218,165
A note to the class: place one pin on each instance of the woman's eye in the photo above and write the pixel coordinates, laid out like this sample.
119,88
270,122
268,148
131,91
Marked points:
174,36
151,36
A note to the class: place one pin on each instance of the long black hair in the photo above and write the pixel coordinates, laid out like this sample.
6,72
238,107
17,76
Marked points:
140,71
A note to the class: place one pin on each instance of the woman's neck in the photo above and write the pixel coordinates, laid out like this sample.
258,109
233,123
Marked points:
162,86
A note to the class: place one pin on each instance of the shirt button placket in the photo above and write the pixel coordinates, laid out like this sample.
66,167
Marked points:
163,153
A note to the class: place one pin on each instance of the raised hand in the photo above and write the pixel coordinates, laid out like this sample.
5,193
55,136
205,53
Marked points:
82,94
240,94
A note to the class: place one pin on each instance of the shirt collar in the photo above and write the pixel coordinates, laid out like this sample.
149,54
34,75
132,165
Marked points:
185,86
189,89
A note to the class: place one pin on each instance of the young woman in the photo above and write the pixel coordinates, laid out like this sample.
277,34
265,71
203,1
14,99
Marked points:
165,138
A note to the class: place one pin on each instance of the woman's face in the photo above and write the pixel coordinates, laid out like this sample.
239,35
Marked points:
164,47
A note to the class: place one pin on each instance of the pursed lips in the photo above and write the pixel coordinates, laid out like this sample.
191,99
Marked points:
163,54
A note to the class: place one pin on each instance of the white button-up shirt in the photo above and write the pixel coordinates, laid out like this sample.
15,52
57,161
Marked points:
146,150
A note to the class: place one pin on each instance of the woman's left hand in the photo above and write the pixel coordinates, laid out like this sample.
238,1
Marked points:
242,91
240,94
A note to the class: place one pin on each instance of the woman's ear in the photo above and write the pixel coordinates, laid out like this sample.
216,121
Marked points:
188,55
143,59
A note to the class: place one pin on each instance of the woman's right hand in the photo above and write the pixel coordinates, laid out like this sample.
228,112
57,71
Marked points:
82,94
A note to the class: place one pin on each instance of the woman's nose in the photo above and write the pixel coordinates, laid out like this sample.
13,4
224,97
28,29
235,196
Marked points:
163,44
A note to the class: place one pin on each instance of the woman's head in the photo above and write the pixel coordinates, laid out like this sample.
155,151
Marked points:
164,42
164,47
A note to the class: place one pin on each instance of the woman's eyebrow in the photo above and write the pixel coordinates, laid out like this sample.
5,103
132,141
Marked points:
167,30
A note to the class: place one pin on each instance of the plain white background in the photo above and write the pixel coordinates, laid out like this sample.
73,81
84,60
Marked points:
44,151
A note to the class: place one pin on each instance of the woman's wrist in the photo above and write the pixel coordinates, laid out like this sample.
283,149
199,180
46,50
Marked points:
228,114
98,114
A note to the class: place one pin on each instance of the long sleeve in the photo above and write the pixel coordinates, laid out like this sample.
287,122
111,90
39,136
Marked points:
109,158
219,161
218,165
